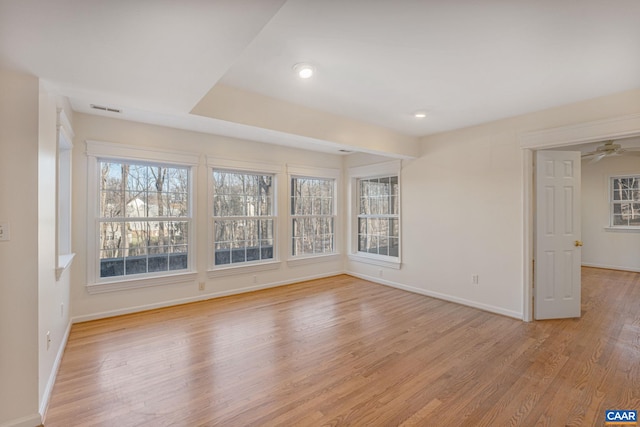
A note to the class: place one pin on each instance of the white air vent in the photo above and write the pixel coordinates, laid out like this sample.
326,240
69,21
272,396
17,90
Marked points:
103,108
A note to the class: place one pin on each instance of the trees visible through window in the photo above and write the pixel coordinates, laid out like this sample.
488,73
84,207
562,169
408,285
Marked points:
243,217
312,215
625,201
378,216
144,218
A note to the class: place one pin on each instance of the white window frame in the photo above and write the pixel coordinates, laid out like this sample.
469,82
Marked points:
239,166
611,202
294,171
378,170
97,151
64,253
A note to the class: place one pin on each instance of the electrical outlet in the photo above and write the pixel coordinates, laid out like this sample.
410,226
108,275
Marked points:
5,231
48,339
255,279
475,279
380,273
201,286
61,309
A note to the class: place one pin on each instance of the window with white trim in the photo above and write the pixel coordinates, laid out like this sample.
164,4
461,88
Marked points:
144,220
625,201
243,217
378,216
312,216
140,207
375,226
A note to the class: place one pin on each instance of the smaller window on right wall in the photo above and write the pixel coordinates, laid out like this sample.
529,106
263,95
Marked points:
625,201
375,225
378,216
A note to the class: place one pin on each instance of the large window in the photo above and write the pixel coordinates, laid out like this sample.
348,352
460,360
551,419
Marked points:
312,216
625,201
243,217
378,216
144,219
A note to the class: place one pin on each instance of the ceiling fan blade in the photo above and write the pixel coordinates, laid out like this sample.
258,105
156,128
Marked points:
590,154
597,158
629,153
634,149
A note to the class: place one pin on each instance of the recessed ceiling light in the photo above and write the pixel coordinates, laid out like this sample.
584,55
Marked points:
420,114
304,70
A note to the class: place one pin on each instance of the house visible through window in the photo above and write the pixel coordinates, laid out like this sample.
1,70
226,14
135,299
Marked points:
378,216
243,217
144,218
312,216
625,201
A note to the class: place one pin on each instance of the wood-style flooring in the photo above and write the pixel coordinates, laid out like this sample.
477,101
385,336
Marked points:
343,351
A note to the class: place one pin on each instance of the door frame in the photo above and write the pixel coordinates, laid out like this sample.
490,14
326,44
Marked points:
614,128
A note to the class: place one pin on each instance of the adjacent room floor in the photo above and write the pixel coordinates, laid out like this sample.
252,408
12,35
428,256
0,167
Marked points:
344,351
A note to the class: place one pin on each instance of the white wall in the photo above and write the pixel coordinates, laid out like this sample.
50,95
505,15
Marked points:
462,208
460,203
19,256
52,293
606,248
88,127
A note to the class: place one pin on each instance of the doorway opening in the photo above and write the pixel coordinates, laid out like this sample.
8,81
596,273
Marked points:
565,138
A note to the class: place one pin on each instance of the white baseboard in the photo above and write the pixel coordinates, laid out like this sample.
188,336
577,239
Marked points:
44,404
28,421
611,267
204,297
457,300
136,309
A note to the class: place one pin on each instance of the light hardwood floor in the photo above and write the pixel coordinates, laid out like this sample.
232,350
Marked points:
343,351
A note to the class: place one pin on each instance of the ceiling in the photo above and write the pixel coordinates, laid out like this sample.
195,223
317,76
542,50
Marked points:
464,62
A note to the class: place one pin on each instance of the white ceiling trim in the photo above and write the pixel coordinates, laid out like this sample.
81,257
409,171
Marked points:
595,131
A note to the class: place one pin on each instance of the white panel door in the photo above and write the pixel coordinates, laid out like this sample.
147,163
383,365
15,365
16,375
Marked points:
558,244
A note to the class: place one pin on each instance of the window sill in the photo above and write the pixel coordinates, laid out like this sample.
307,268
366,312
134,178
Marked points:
623,229
64,262
120,285
243,269
390,262
293,262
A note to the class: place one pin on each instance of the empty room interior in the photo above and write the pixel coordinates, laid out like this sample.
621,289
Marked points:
297,212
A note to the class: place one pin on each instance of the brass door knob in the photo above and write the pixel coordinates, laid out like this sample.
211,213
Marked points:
578,243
